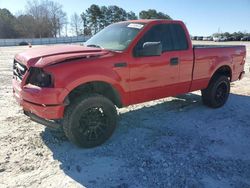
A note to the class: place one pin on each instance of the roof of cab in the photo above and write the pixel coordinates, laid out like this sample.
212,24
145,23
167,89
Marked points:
151,20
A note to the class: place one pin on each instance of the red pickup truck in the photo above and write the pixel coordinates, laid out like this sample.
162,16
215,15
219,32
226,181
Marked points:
79,88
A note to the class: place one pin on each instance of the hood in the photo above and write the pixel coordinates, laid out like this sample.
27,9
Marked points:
49,55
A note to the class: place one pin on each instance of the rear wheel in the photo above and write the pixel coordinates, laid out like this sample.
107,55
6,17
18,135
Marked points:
90,120
217,92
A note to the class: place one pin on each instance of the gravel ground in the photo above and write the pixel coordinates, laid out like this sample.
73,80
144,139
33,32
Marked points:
173,142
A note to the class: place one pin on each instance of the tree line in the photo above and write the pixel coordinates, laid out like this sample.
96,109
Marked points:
96,18
46,18
41,19
234,36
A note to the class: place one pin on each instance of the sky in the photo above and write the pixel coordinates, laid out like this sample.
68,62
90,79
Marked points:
201,17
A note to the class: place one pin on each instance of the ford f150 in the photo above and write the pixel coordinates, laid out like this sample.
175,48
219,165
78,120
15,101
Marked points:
79,88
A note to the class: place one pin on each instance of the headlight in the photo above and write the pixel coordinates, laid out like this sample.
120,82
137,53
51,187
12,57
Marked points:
39,77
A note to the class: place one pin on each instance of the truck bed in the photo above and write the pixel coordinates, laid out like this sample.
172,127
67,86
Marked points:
209,58
217,46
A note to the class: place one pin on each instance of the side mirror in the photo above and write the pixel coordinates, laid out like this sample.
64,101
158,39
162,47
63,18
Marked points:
150,49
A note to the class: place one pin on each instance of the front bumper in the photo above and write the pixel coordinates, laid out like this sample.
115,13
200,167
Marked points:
48,123
46,103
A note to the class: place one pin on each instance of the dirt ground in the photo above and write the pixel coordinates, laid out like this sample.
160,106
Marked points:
173,142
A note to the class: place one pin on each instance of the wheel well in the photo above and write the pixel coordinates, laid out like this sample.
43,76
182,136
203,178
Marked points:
99,87
225,71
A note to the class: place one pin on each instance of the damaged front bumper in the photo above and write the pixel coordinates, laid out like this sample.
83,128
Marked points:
48,123
40,103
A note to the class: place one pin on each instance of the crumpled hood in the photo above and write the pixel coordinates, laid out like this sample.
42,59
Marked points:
49,55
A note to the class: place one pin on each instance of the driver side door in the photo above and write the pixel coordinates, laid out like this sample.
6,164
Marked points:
154,77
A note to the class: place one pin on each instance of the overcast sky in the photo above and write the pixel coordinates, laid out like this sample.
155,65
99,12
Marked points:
201,17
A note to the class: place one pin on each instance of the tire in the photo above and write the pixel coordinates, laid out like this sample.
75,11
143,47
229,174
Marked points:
217,92
90,120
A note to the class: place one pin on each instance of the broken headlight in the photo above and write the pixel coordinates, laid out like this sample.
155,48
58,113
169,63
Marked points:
39,77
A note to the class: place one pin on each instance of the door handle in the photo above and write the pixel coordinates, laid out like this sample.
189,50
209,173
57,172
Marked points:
174,61
121,64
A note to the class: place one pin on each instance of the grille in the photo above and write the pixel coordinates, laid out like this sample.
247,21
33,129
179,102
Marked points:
19,70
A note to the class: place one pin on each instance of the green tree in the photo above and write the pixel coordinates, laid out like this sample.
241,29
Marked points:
104,19
94,15
96,18
7,24
131,16
227,34
117,14
240,34
153,14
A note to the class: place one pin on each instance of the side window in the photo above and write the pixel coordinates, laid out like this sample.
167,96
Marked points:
178,37
159,33
171,36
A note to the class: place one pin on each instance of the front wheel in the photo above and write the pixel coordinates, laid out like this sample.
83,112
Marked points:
217,92
90,120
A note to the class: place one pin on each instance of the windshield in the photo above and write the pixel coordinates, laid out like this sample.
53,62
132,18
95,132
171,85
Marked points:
115,37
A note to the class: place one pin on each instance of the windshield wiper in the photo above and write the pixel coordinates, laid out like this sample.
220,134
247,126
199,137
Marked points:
97,46
94,45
